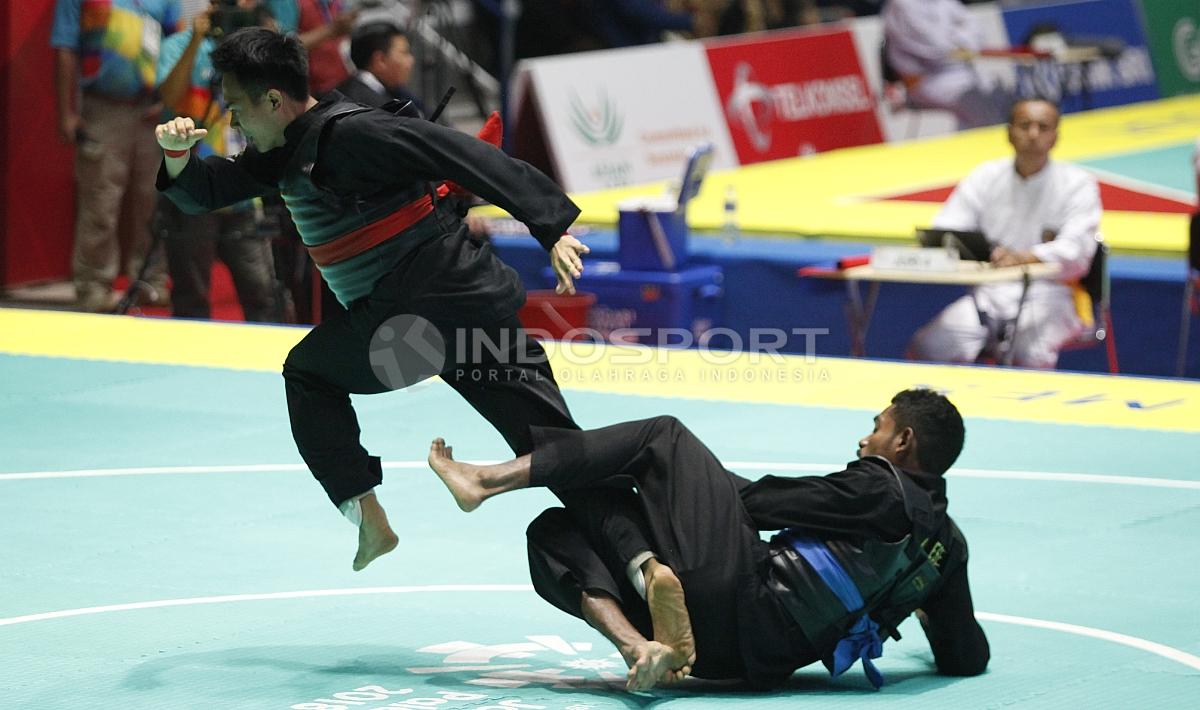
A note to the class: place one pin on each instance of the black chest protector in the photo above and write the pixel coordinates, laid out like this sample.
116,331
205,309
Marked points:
321,215
893,578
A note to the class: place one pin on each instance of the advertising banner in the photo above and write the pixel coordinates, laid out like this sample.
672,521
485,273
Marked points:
1173,29
1123,74
627,116
793,93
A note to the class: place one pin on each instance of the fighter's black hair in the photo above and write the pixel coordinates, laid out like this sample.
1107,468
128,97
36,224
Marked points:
371,38
936,423
262,59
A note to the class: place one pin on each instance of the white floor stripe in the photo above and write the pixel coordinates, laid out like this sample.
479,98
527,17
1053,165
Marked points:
355,591
1158,649
1167,652
1013,475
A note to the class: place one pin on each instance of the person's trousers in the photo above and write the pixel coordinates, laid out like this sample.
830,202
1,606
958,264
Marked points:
507,379
192,244
689,508
959,333
114,167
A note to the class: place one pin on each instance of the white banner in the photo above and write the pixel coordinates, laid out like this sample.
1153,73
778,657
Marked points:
629,116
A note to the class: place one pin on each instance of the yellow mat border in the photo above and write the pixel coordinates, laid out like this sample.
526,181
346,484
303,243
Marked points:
835,194
841,383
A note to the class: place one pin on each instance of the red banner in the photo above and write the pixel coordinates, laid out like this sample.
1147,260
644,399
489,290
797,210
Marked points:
793,94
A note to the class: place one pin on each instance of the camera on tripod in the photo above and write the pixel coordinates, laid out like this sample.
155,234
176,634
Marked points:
228,16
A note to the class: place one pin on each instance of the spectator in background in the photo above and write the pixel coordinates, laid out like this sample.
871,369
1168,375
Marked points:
380,52
627,23
929,43
739,16
188,86
104,80
1031,209
322,27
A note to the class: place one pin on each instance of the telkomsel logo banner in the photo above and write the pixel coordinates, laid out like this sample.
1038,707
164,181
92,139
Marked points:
796,93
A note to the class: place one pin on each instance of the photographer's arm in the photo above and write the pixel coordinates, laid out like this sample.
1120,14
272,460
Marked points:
174,88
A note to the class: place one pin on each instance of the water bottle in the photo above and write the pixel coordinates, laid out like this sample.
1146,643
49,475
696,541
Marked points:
729,228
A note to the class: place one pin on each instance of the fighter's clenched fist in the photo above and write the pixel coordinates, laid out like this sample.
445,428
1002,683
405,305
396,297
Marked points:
179,134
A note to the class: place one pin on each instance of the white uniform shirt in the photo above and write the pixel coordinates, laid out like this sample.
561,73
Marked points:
1196,165
1054,213
921,34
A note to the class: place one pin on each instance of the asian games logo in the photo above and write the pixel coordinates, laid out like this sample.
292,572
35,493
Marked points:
750,105
1186,41
598,125
545,660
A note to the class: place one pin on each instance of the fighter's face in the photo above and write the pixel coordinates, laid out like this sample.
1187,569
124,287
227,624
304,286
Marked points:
259,119
883,438
1034,129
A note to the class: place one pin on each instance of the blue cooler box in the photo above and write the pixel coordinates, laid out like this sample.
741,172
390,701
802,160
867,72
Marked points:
652,234
688,299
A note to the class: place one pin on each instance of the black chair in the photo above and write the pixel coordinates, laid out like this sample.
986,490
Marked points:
1190,282
1098,328
1098,285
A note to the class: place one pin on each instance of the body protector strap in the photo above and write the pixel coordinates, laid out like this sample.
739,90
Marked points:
847,596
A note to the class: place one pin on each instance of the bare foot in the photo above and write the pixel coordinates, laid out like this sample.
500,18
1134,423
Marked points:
375,536
461,478
669,614
652,664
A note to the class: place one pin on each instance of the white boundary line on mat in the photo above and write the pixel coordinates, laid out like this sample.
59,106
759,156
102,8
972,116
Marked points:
1167,652
732,465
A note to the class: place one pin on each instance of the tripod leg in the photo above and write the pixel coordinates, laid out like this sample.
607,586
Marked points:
139,285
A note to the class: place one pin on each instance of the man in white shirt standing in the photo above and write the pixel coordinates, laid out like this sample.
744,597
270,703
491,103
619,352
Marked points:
929,44
1031,209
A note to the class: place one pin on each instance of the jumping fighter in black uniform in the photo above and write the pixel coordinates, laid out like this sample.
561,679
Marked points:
361,184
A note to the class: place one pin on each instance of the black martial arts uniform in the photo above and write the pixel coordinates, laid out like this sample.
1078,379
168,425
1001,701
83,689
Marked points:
703,522
346,168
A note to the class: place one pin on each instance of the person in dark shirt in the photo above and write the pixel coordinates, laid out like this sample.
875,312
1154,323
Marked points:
381,53
695,590
422,298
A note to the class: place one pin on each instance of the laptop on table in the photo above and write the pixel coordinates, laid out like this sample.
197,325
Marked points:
972,245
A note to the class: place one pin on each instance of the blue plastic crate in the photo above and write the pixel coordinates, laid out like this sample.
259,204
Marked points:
685,300
651,235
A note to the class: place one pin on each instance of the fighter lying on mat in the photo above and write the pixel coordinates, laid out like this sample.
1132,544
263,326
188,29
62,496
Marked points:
859,550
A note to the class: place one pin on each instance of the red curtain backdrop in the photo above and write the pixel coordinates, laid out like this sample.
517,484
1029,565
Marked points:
37,214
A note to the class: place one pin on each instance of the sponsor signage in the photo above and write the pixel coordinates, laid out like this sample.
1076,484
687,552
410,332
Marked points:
1173,30
1114,80
793,93
627,116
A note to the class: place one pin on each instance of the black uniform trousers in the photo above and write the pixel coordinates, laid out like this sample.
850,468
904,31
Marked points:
464,291
690,515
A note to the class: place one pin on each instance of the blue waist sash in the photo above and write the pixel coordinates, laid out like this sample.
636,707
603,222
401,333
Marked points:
862,640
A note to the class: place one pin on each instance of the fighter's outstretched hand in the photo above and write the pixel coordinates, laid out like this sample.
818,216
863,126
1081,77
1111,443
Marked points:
179,134
567,259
